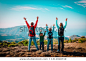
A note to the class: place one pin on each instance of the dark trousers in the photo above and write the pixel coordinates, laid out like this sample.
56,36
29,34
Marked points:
62,40
42,43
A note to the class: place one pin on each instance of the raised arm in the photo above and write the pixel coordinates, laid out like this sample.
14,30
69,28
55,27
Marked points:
26,23
44,33
56,22
65,23
36,22
53,27
46,28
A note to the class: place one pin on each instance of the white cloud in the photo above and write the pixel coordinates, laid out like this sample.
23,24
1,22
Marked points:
66,6
81,3
23,8
61,8
27,8
46,9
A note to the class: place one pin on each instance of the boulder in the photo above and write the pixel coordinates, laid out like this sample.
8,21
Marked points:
21,53
39,52
5,49
33,49
0,49
33,53
23,50
28,53
78,47
8,56
43,54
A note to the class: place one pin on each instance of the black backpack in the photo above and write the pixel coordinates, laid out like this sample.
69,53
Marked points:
50,35
61,31
31,30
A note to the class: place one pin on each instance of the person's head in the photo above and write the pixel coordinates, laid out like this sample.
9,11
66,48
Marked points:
41,34
61,24
50,29
32,23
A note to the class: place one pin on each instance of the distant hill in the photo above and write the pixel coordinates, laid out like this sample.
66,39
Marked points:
74,36
19,33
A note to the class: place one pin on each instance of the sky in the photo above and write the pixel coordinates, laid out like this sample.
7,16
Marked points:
13,11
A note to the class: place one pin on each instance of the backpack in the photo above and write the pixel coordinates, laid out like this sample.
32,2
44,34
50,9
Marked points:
50,35
31,30
61,31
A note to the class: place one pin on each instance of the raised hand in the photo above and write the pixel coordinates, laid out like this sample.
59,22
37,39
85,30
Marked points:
37,17
45,31
46,25
56,18
24,18
66,19
53,24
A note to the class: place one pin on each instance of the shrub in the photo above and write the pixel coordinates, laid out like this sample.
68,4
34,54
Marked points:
32,43
45,42
4,44
55,43
70,41
65,41
82,36
4,41
13,42
38,42
75,39
8,43
25,43
20,42
12,45
1,43
80,41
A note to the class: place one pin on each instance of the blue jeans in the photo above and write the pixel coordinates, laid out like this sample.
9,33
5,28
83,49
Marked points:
42,43
50,40
34,40
62,40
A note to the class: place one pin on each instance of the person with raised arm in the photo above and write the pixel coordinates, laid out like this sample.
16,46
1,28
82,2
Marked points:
61,29
50,37
41,39
32,32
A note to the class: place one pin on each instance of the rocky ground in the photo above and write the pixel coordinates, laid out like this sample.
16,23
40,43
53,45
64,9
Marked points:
70,50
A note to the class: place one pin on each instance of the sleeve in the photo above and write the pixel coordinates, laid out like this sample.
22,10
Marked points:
36,23
27,24
57,24
47,28
65,24
53,29
44,33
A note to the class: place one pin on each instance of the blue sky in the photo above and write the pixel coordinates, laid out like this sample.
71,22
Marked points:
13,11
